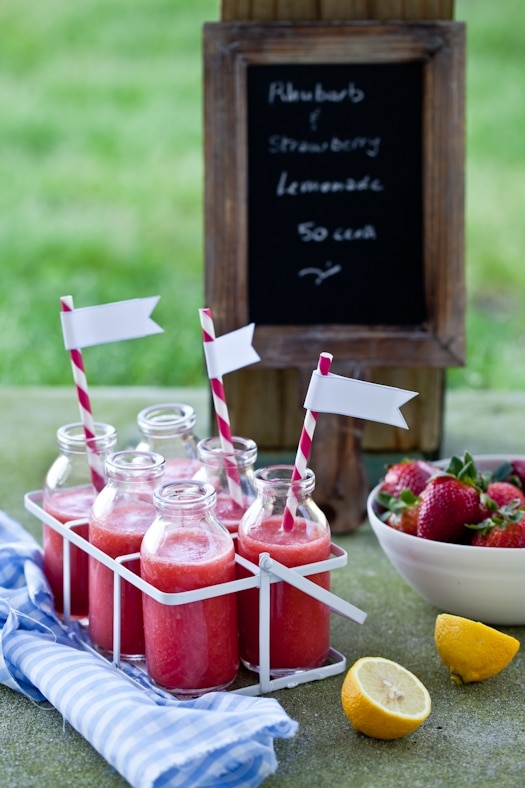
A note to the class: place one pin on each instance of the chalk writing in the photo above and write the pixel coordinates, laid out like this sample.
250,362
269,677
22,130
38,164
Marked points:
279,143
334,197
293,188
309,231
319,274
314,117
287,93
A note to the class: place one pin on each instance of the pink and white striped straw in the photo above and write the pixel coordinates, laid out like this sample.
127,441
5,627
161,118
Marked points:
223,418
304,448
86,415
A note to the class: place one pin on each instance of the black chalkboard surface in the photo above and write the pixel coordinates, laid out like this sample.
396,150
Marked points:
335,194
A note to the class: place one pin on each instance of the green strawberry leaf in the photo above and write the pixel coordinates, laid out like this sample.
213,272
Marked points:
454,466
488,502
502,472
395,505
501,518
505,473
464,469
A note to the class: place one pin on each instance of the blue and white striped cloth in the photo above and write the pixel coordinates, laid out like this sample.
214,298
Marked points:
150,738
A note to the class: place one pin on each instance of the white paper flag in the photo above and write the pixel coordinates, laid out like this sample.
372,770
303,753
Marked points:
97,325
230,352
348,397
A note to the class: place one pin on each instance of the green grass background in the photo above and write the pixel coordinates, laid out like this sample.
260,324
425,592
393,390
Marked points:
101,185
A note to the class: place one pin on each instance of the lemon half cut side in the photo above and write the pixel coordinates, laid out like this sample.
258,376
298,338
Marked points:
472,651
384,700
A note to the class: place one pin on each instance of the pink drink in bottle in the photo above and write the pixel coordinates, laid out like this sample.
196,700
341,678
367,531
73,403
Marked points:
214,462
299,623
168,429
120,517
68,494
191,648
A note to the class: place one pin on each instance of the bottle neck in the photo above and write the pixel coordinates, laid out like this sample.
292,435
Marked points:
276,481
170,420
212,454
71,438
135,466
185,498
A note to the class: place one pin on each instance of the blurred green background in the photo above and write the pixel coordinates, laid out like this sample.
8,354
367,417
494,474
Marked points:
101,185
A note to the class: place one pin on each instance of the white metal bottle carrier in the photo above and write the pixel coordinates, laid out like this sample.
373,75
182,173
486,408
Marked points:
269,571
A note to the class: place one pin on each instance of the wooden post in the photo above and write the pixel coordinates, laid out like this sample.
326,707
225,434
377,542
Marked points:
267,403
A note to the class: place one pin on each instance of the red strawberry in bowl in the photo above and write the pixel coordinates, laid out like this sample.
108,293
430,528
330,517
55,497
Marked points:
518,470
512,471
504,493
451,501
447,506
505,528
407,475
405,520
400,513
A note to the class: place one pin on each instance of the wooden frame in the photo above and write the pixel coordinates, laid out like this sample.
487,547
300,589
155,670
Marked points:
228,49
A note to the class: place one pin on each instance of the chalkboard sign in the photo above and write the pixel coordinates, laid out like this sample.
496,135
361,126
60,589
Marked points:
335,202
334,189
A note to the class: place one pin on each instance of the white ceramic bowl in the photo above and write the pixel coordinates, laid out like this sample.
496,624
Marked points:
482,583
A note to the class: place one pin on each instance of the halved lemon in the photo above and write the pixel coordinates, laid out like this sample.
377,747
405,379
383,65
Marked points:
472,651
384,700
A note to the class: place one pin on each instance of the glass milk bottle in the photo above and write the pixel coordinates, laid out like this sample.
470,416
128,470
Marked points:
191,648
215,464
168,429
121,514
299,624
68,494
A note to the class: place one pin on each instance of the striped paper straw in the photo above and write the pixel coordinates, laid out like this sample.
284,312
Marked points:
223,418
86,415
304,448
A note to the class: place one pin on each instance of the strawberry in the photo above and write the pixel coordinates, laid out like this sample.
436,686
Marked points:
504,493
513,472
408,474
518,470
447,506
406,520
451,501
505,528
400,513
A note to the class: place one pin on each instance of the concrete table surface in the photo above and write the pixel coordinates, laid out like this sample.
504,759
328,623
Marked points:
474,735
